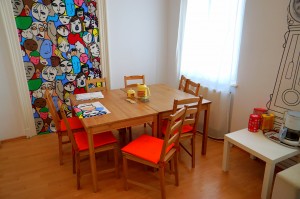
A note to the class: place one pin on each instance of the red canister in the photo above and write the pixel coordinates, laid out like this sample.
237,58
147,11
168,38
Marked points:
253,124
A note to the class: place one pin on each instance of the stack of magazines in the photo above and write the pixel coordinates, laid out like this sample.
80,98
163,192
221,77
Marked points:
89,96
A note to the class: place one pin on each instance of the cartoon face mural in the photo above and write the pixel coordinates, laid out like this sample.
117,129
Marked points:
29,69
87,37
39,124
60,49
18,6
65,20
40,11
58,6
46,49
38,29
76,26
94,49
71,77
49,73
63,30
27,34
66,66
30,45
63,44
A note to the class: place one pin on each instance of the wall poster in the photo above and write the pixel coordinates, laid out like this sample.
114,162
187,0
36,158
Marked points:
286,93
59,40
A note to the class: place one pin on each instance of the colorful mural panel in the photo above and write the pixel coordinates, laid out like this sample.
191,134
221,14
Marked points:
59,40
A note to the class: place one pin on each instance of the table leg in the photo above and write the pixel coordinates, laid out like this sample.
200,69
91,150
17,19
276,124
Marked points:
268,180
159,125
92,159
154,126
205,130
226,155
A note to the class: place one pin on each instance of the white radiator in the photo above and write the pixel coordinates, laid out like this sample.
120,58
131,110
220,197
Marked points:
219,113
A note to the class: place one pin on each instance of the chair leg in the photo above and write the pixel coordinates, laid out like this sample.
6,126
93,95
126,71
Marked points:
130,133
60,151
116,161
78,170
193,151
73,161
175,159
125,172
162,181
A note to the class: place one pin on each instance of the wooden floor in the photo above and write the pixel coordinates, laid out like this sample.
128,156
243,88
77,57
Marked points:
29,169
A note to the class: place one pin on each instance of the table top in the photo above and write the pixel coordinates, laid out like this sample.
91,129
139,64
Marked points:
162,97
121,110
260,146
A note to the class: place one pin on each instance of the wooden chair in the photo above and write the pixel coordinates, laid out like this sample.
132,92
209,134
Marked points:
128,80
182,83
97,84
192,87
155,152
60,126
105,141
189,127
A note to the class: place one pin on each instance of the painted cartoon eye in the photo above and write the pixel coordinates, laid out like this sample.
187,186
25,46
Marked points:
33,28
35,11
60,46
43,13
51,73
62,5
54,5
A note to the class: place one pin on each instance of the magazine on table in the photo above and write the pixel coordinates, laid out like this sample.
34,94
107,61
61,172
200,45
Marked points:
90,109
89,96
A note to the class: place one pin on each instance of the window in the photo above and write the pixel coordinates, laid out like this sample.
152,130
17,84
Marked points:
209,40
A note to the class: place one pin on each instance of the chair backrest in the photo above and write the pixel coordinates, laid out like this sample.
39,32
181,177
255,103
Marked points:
182,83
97,84
52,110
172,135
132,81
192,87
70,133
193,110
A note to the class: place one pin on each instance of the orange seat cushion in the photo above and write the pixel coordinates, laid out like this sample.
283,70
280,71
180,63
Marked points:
74,124
185,128
100,139
146,147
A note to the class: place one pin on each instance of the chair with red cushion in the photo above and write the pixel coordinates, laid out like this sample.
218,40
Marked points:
60,126
189,126
105,141
155,152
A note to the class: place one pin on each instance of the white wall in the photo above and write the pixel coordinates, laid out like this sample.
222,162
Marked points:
11,122
261,49
136,39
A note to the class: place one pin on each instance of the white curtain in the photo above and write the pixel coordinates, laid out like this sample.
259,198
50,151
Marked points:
209,40
207,52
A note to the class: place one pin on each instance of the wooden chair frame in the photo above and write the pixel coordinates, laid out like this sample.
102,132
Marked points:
77,154
182,83
175,122
192,117
140,78
56,119
192,87
102,81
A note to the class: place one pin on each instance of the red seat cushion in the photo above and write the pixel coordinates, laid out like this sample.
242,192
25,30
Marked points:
146,147
100,139
185,128
74,122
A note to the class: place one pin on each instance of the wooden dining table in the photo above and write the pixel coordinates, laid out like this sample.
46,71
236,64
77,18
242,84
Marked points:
161,99
122,114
